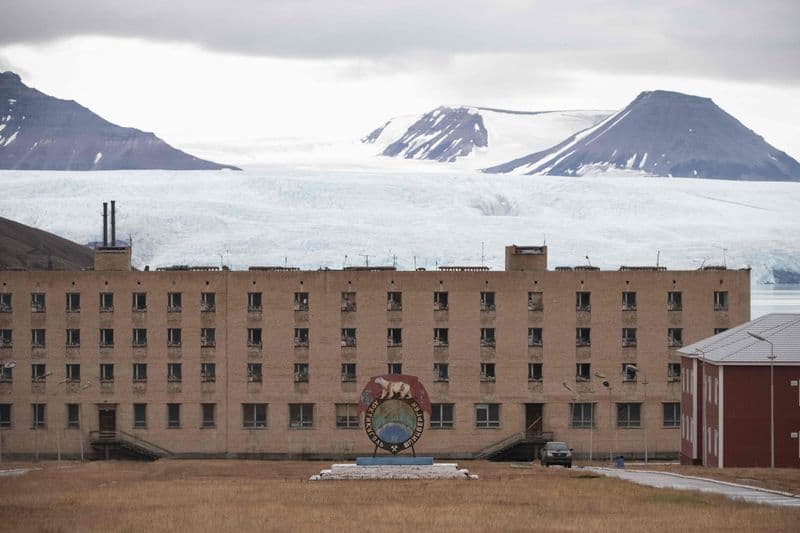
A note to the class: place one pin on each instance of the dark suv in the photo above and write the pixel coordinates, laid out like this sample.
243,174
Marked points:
556,453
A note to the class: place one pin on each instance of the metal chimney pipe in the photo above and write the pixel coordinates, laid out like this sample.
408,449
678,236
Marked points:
105,224
113,223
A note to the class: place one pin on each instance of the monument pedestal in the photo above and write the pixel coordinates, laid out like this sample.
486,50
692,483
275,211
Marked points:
394,468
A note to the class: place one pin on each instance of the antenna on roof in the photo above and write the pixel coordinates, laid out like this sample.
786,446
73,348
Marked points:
415,262
587,261
344,265
483,254
658,258
366,258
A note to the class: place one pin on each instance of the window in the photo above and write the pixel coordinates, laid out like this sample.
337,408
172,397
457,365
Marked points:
38,302
6,374
5,415
207,411
139,372
440,336
208,372
254,415
583,337
301,337
394,368
583,372
535,337
73,302
583,301
106,302
487,372
254,337
254,301
38,373
394,337
582,415
38,338
173,337
6,338
73,373
106,338
674,301
346,415
672,414
717,331
348,372
208,337
628,337
629,372
174,373
441,372
208,302
301,415
441,416
629,301
675,337
348,301
140,301
173,415
107,372
301,372
629,415
720,300
673,371
73,416
394,301
73,337
301,301
440,301
139,337
487,301
535,301
174,302
487,337
254,373
140,415
535,372
5,302
38,415
487,415
348,337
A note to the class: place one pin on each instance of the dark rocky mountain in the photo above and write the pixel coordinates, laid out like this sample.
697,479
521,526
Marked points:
664,133
29,248
40,132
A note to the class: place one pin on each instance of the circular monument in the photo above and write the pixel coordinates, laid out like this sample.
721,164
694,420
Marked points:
394,408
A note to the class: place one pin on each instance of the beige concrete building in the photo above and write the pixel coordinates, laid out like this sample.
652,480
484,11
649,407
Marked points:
270,362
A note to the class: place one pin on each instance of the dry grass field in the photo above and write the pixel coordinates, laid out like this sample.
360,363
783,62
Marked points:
259,495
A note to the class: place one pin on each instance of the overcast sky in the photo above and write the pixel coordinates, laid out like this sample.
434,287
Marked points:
200,72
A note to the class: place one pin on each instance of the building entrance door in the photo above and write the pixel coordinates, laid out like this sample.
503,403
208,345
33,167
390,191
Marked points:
108,419
534,413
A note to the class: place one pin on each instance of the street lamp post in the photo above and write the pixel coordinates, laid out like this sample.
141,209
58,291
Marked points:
607,385
771,397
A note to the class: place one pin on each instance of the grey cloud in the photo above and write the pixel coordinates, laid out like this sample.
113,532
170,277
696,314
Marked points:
734,39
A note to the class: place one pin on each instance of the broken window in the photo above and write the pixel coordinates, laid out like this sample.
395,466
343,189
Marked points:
583,337
301,337
675,337
440,301
173,415
301,415
487,301
38,338
5,302
441,416
346,415
301,373
254,415
38,302
628,337
348,337
629,415
535,372
254,301
629,301
487,337
487,372
673,371
535,337
441,372
348,301
301,301
173,337
208,337
394,301
6,374
140,301
207,413
73,302
394,337
38,415
139,372
106,338
440,336
174,302
254,337
38,372
73,337
6,338
73,416
671,414
106,302
674,301
174,373
139,337
139,415
536,301
394,368
107,372
720,300
208,372
583,372
583,301
717,331
487,415
73,373
208,302
254,373
348,372
629,372
5,415
582,415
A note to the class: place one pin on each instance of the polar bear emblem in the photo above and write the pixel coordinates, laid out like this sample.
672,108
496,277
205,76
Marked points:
394,389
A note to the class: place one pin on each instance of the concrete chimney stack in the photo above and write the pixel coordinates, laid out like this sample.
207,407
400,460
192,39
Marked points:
113,223
105,224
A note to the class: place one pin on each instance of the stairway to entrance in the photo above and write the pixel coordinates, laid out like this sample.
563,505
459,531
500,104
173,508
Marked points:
120,444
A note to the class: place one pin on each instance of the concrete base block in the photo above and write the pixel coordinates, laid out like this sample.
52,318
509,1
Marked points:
354,471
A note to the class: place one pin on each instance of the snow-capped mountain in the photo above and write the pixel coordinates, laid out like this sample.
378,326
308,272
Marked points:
477,135
663,133
40,132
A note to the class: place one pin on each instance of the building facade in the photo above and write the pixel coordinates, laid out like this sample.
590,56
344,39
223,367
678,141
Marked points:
270,362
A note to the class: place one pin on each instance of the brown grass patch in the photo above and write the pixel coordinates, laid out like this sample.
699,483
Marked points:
271,495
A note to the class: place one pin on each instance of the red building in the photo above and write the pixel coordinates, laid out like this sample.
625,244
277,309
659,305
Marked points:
728,383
